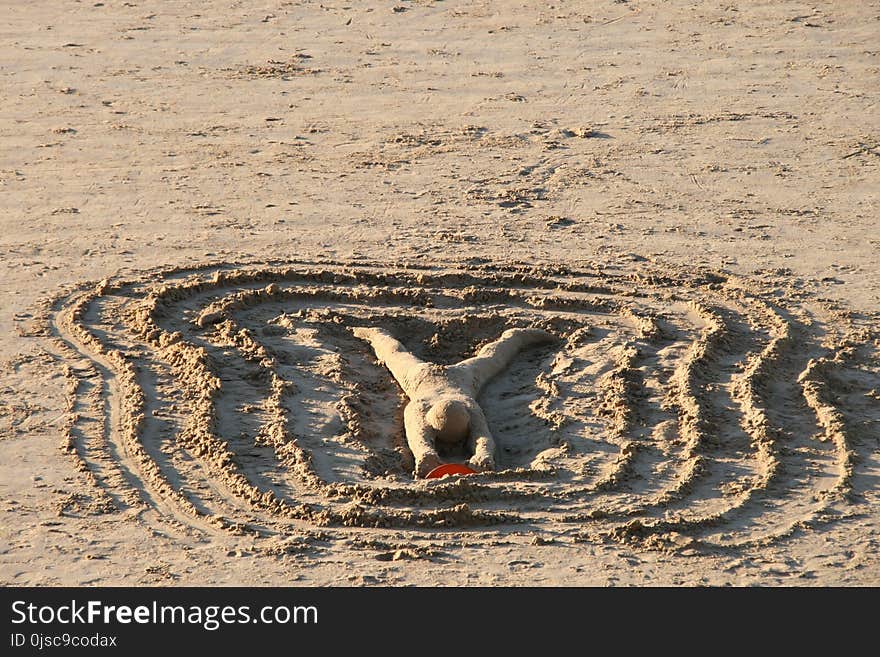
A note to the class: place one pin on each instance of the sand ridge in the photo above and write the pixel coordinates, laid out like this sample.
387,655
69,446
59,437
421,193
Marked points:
682,410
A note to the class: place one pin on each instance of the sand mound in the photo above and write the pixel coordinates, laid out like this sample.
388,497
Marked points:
680,409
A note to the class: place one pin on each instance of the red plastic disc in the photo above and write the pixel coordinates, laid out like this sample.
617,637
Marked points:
449,469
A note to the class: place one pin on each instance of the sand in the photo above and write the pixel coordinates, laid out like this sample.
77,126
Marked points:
201,200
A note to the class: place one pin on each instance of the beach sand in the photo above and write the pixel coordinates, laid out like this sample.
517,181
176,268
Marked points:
200,200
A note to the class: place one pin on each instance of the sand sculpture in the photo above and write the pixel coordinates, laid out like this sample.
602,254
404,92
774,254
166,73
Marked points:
683,408
443,408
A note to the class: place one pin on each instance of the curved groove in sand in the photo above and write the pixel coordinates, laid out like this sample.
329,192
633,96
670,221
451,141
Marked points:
273,341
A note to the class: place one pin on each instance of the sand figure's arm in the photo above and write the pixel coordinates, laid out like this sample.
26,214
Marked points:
480,443
420,438
497,355
392,353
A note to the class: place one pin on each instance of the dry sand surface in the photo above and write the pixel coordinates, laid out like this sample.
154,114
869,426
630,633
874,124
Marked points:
200,200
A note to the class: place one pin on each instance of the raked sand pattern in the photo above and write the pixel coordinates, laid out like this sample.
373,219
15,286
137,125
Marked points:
680,410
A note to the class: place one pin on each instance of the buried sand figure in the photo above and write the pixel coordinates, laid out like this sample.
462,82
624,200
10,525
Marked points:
443,406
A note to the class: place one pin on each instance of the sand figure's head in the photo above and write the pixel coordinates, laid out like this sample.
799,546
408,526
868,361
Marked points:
451,419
